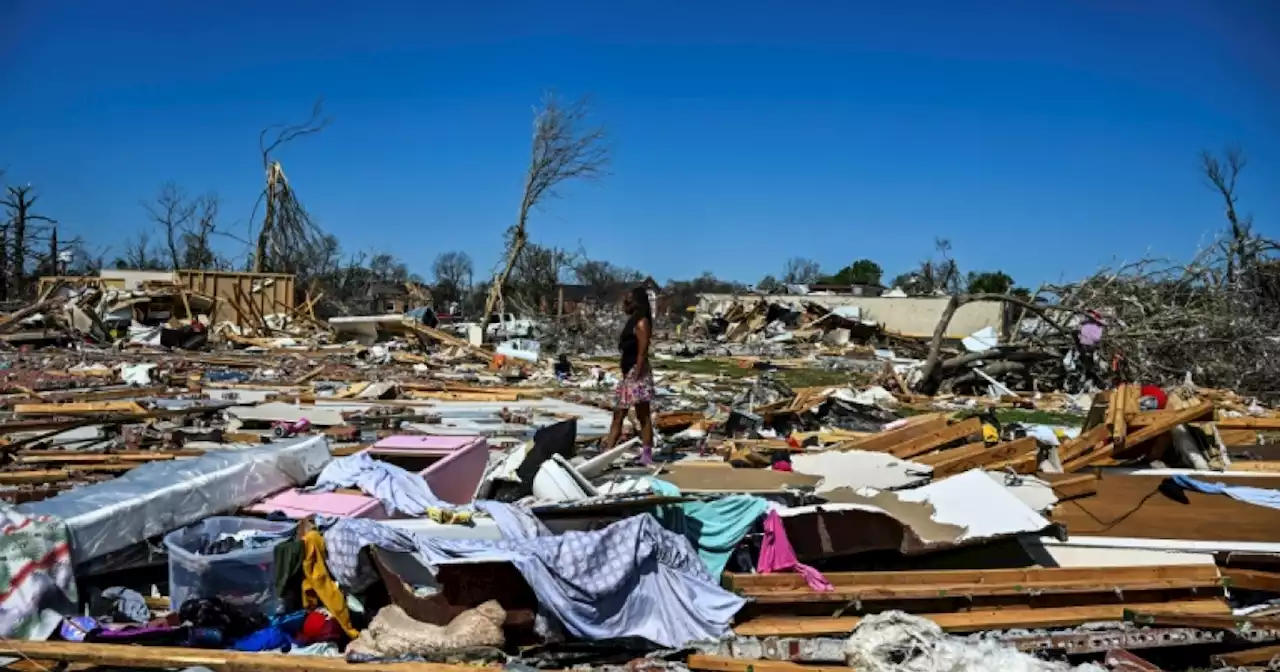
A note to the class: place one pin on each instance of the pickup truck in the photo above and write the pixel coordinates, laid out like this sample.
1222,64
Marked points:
506,325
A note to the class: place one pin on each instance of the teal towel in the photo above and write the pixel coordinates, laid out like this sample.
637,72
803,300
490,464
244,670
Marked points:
714,527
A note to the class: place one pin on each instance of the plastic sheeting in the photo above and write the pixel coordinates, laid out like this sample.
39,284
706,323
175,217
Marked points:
160,497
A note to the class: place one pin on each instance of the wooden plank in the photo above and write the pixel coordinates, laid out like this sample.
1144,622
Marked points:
699,661
81,408
1146,433
1251,579
935,440
886,440
1119,399
164,657
1084,443
965,590
967,450
1148,418
1009,450
43,476
1132,399
974,621
1259,656
1202,621
1249,423
750,583
1238,437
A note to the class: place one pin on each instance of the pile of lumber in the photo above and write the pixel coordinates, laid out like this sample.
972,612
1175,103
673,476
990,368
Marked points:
976,600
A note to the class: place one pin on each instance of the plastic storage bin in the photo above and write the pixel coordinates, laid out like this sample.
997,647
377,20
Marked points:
243,577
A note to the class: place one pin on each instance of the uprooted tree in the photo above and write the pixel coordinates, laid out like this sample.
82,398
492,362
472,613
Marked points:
288,238
565,147
1213,320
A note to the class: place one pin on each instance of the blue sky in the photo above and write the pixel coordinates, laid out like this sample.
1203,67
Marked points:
1041,137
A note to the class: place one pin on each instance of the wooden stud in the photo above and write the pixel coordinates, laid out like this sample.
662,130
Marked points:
928,442
1145,434
974,621
1009,450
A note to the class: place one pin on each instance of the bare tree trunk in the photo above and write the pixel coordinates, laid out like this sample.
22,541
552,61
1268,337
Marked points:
931,374
53,252
260,254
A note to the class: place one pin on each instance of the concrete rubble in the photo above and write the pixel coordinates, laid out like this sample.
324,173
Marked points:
194,475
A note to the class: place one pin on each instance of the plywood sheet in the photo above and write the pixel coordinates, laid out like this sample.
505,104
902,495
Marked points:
1133,506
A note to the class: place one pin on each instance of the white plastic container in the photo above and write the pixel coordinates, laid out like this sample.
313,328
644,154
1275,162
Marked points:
244,578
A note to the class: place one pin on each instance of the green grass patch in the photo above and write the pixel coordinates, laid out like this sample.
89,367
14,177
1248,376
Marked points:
1038,417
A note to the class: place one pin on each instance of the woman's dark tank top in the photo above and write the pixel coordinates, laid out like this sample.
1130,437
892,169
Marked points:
629,344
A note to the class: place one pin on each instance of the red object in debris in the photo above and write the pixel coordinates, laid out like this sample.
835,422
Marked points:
791,441
782,466
1156,393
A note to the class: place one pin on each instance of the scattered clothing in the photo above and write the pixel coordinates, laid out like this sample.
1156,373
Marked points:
777,555
713,527
318,587
1090,333
35,559
398,489
319,627
322,649
124,606
215,613
287,565
204,638
393,633
270,638
229,542
515,522
591,582
1259,496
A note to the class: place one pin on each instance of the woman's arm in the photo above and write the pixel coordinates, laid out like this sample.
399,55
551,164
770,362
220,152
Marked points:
642,341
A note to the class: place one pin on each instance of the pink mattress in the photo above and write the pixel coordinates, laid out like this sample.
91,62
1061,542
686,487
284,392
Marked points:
299,505
433,444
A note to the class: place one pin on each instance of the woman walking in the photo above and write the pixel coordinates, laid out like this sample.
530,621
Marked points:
636,389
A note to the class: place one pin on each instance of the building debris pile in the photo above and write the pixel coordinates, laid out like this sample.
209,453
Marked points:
264,490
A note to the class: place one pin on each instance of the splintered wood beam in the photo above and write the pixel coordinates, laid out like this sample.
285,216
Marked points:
935,440
1009,450
886,440
1084,443
1145,434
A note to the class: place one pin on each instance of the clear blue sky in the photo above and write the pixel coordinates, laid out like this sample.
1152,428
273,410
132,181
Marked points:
1042,137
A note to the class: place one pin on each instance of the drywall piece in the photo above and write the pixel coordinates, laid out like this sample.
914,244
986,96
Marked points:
980,505
963,509
855,469
1035,493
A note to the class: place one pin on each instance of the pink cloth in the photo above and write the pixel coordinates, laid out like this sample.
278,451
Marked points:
776,555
